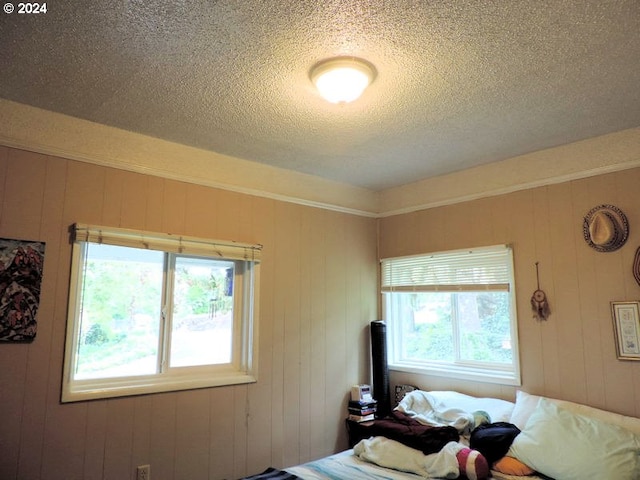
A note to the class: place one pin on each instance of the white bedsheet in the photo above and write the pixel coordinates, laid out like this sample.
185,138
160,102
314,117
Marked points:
440,408
347,466
395,455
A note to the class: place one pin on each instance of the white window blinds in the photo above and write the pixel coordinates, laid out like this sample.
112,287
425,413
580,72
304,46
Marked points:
166,242
486,268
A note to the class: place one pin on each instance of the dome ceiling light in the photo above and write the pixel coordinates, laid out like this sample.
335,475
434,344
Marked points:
342,79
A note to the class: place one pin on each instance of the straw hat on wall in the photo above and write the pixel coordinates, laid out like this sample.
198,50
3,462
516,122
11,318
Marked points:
605,228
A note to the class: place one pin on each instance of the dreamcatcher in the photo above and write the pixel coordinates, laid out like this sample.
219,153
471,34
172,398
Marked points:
539,303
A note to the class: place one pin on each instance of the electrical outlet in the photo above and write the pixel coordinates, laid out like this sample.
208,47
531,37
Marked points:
143,472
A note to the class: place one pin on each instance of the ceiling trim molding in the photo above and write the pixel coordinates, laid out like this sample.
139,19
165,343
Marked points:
33,129
587,158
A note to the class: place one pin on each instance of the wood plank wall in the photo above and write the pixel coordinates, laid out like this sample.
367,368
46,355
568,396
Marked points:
572,355
318,295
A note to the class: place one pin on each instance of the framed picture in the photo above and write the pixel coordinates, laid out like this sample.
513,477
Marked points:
626,325
21,264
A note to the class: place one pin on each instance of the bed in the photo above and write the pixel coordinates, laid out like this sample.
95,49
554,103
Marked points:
556,440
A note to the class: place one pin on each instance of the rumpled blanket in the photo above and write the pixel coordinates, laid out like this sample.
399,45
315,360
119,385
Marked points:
391,454
426,409
402,428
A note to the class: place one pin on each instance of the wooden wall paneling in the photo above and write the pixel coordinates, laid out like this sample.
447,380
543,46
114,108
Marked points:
455,229
572,355
212,214
307,219
222,426
154,204
141,441
134,201
414,242
423,228
202,212
12,377
610,287
524,259
336,343
174,206
368,304
436,238
162,448
356,324
492,221
240,418
281,260
53,203
233,221
112,203
22,205
85,440
618,374
479,220
65,429
627,198
59,320
362,277
587,301
383,242
235,217
192,434
96,440
260,393
230,215
84,194
547,329
290,271
388,234
119,438
39,351
489,222
499,214
319,349
628,182
569,328
115,434
64,441
243,224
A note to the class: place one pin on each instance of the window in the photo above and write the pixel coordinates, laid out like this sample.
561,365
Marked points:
453,314
152,312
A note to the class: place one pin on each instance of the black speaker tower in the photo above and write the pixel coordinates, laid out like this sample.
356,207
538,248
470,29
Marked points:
381,390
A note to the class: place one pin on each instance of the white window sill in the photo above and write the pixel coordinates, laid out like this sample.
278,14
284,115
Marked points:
461,372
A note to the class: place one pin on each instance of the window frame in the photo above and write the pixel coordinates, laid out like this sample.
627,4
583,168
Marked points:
489,372
243,367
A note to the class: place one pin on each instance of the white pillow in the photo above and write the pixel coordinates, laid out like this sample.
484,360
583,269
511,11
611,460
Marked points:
571,446
525,406
527,403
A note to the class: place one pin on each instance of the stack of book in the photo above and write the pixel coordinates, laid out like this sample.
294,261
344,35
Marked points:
362,410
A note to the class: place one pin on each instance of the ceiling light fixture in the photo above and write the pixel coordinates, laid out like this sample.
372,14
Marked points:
342,79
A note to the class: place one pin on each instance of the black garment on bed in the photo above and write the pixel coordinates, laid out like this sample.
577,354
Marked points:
402,428
272,474
493,439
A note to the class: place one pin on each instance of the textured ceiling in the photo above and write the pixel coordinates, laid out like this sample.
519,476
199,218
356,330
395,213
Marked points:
460,82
